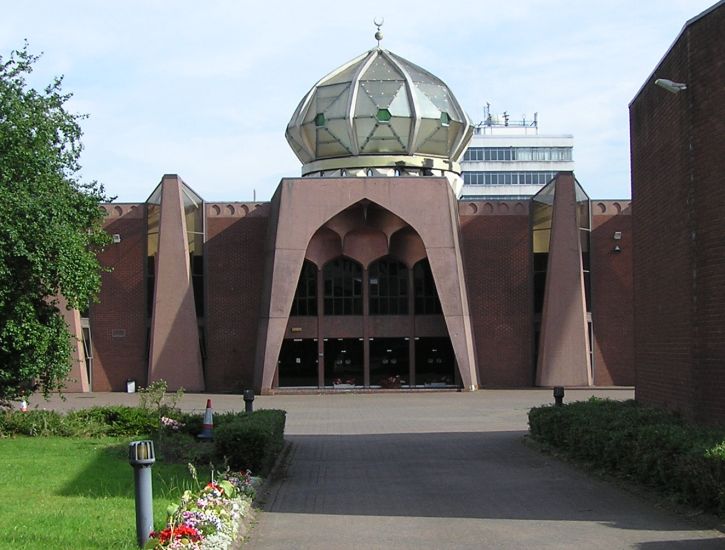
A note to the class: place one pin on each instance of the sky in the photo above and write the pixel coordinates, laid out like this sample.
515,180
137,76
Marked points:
206,89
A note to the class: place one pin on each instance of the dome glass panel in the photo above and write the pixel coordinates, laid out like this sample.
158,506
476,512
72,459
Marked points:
381,92
381,69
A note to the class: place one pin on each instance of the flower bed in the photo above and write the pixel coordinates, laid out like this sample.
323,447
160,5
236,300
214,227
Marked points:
209,518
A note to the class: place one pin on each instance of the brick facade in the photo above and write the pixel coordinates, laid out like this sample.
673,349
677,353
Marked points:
497,257
233,250
679,237
612,288
118,321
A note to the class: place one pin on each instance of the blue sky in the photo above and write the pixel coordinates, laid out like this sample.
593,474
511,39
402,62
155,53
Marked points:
205,89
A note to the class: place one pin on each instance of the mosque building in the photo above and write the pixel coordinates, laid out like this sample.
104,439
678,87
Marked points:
368,271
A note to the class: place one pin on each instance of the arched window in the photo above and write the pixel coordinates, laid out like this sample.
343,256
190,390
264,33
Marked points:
426,296
343,287
388,282
305,300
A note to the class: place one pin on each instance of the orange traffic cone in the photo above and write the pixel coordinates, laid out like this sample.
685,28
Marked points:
24,406
208,426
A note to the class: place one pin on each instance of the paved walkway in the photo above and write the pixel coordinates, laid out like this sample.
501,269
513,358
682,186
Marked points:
437,470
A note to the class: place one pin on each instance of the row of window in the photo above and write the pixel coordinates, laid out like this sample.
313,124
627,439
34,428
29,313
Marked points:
388,288
507,178
518,153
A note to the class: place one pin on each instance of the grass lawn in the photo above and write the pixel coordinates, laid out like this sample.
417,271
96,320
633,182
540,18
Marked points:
76,493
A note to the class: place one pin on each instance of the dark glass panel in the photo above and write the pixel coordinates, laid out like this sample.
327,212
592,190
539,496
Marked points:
388,281
426,295
305,300
343,287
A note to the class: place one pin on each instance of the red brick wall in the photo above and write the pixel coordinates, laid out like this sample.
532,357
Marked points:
706,84
122,305
612,300
497,256
234,254
678,204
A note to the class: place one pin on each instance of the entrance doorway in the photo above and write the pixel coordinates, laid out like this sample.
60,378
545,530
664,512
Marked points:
389,362
344,362
435,362
298,363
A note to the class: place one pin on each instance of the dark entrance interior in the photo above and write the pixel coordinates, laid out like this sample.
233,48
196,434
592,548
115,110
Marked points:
389,362
344,362
298,363
435,363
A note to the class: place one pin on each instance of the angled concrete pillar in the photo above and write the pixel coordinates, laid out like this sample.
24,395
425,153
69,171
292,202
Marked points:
78,376
174,355
563,347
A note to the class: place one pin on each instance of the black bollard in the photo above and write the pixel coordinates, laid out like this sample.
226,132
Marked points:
248,401
559,395
141,457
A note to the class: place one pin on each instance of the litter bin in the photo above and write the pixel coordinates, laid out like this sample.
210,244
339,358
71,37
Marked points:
130,385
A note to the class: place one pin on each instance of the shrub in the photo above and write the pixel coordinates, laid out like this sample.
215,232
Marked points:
93,422
646,444
32,423
251,442
119,420
154,397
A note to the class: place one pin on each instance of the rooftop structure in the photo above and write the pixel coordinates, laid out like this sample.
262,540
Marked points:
510,159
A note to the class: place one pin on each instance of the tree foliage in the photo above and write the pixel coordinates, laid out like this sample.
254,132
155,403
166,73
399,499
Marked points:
50,230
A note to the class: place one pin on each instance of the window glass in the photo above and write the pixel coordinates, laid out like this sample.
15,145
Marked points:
305,300
426,295
388,282
343,287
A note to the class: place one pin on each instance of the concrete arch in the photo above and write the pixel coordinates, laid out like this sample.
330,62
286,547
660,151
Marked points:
324,246
364,245
300,207
407,246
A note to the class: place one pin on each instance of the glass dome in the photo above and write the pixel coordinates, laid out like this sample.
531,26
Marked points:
380,105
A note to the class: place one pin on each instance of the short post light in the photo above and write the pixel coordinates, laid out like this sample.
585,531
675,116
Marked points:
141,457
558,395
248,401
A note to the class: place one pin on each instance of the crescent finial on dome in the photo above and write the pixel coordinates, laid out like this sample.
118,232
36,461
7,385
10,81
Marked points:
379,33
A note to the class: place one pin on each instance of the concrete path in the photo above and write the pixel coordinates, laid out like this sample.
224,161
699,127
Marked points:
435,470
445,470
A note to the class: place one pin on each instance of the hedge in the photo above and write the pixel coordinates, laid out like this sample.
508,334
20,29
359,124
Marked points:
92,422
243,441
251,442
644,444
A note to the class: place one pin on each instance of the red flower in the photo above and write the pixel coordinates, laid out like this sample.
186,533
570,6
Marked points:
182,531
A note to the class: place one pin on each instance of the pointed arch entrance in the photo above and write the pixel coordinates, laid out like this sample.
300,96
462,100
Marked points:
377,317
385,226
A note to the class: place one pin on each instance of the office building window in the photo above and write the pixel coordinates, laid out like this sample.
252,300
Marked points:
507,178
520,154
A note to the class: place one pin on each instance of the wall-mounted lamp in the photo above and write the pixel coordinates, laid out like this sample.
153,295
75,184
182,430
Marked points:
670,86
617,236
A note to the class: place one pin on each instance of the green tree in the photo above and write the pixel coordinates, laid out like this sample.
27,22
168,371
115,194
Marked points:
50,230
